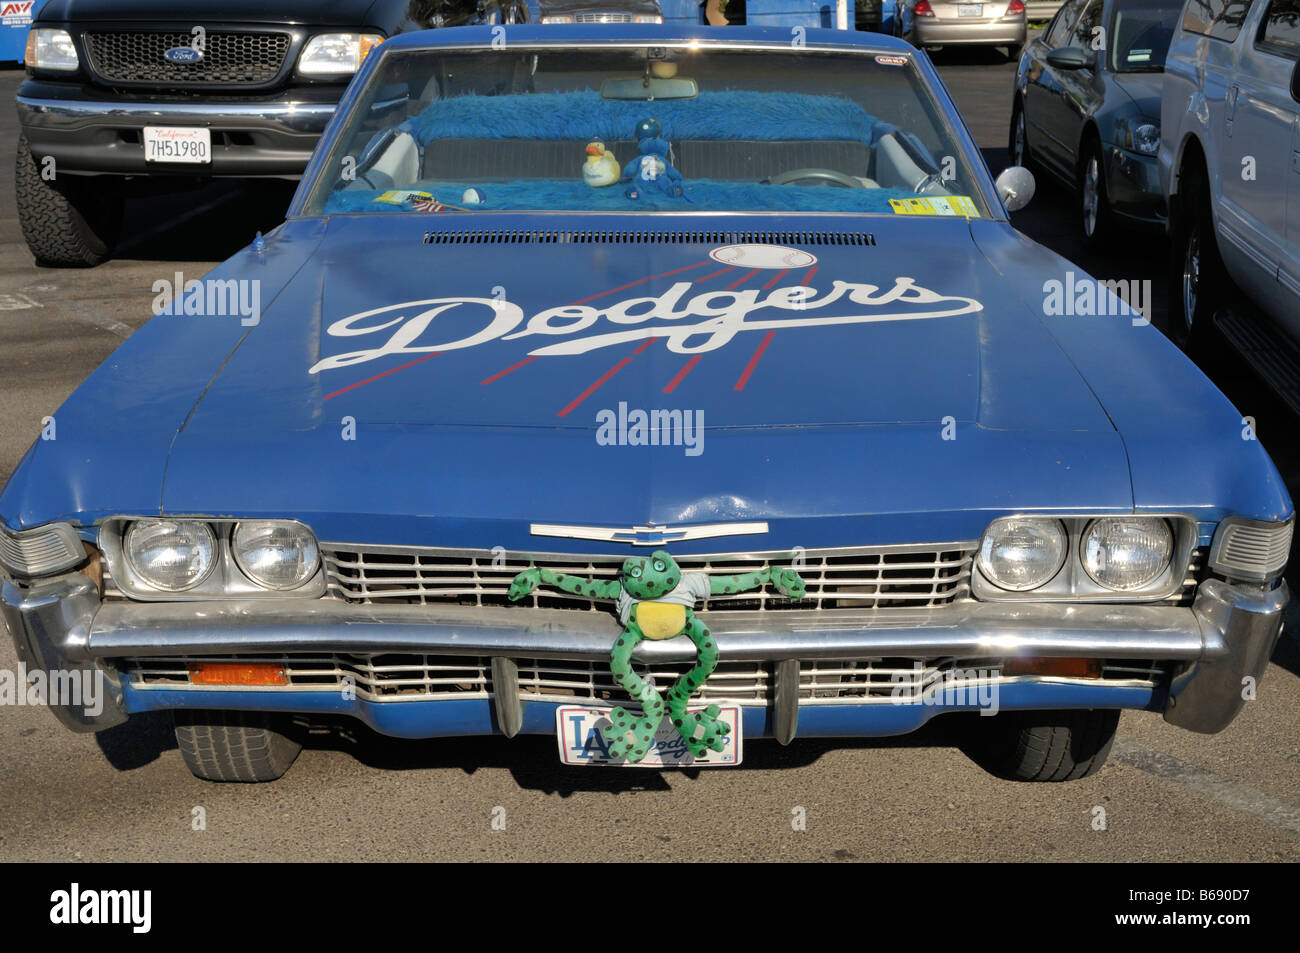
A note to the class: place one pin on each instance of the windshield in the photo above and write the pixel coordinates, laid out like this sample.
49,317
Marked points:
1142,30
624,129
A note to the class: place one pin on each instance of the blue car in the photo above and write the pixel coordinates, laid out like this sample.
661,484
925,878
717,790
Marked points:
657,389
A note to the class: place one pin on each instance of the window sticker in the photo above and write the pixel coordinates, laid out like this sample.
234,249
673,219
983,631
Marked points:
402,196
960,205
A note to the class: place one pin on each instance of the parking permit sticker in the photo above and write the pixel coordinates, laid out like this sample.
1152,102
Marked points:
884,60
946,205
402,196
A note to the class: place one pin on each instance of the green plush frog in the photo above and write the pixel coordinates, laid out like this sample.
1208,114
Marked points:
654,600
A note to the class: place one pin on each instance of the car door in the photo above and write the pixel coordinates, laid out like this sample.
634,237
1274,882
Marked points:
1043,86
1276,47
1254,161
1079,91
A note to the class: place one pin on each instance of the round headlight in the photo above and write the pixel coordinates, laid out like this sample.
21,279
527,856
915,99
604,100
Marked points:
172,556
1126,553
274,554
1022,553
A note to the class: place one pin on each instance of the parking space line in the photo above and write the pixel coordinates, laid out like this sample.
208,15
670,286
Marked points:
1233,794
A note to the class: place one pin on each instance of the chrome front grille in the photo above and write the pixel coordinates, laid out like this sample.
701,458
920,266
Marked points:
864,578
602,18
397,677
229,59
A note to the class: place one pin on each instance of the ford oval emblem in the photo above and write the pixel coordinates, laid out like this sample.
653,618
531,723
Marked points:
183,54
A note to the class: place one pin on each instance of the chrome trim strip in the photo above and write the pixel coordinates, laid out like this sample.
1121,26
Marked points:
88,109
962,629
664,535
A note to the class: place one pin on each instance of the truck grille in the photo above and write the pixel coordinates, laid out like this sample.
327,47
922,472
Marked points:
411,677
863,578
230,59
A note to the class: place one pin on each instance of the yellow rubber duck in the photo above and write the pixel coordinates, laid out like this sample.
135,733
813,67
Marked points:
601,167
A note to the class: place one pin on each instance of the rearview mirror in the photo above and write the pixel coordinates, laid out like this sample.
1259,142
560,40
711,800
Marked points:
648,88
1069,57
1016,186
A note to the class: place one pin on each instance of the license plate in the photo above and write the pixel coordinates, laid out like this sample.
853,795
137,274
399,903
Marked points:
970,9
177,144
578,730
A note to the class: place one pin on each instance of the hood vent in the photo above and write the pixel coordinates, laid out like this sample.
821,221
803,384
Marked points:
595,236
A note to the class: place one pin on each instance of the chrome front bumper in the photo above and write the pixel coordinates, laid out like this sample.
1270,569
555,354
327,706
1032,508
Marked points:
1225,637
86,133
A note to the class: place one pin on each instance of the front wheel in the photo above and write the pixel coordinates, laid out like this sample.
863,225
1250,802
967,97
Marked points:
235,745
1018,141
1043,745
67,221
1094,206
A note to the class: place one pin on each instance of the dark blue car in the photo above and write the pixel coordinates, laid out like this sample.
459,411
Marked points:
647,332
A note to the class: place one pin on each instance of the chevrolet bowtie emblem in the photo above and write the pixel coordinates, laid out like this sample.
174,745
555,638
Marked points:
648,535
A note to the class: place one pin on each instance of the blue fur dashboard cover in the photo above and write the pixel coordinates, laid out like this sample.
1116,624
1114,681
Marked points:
576,195
734,114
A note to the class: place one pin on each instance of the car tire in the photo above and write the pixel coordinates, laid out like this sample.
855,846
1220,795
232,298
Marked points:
1044,745
1094,207
1018,138
1199,284
72,224
1013,52
237,746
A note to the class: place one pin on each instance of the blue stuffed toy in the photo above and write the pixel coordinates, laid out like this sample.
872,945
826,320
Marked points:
651,173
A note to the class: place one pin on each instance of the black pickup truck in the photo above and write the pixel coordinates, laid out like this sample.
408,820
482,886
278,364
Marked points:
119,90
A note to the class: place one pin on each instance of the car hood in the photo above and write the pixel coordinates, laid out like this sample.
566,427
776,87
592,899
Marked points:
834,432
1144,89
311,12
403,380
390,326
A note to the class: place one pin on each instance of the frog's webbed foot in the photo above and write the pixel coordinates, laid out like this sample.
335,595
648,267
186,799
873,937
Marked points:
702,730
629,735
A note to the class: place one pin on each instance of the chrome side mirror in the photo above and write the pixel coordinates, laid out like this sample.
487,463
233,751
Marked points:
1016,187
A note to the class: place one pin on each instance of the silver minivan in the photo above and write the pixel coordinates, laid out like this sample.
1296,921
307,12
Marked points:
1229,160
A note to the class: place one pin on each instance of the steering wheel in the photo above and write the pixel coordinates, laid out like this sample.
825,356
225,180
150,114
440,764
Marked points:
826,176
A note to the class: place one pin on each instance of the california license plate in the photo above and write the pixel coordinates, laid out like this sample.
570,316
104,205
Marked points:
970,9
578,730
177,144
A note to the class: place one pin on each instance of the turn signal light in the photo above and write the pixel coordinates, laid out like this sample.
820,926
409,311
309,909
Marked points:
238,673
1058,667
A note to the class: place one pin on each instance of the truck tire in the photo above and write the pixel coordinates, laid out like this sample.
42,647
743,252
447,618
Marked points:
71,224
1043,745
240,746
